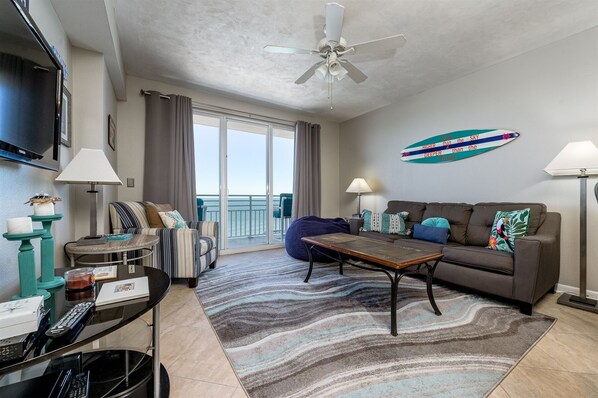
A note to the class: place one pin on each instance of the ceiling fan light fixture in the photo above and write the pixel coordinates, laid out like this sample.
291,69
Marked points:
322,72
341,74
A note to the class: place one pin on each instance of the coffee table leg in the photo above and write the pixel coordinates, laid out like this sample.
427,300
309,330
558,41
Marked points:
311,262
393,304
429,287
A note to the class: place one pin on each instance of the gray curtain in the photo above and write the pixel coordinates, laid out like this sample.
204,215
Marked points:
306,181
169,174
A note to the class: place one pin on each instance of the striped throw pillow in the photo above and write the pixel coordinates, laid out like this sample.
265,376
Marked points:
385,223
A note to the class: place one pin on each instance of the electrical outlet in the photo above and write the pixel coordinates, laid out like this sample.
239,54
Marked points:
130,183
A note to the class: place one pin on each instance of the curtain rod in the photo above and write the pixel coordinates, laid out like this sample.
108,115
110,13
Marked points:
231,112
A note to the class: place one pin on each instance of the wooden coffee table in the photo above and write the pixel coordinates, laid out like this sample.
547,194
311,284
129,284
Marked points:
390,258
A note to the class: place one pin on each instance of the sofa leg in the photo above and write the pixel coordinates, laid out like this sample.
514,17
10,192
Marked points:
192,282
525,308
213,265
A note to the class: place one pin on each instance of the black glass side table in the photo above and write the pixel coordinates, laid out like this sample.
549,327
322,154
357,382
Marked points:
124,369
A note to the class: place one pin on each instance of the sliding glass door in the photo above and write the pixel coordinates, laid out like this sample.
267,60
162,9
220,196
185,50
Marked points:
242,168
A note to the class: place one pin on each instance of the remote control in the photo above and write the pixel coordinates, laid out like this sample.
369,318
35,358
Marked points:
69,320
79,387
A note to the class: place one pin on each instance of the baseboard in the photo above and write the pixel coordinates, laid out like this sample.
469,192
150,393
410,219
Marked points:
560,288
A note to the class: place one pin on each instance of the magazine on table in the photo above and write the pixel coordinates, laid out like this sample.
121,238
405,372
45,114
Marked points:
127,289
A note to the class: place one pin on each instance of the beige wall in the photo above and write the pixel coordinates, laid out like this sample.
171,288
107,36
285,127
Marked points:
131,130
92,99
19,182
549,95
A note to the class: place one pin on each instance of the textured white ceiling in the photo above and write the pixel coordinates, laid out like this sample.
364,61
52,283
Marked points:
217,44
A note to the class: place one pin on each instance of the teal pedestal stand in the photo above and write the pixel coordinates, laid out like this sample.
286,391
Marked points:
27,278
48,279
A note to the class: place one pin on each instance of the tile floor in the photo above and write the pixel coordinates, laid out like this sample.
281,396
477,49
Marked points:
563,364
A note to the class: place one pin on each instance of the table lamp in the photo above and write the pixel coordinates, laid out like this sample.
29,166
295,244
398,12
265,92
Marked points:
579,159
90,166
359,186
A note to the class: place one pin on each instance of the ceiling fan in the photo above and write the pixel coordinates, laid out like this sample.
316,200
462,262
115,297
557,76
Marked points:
333,48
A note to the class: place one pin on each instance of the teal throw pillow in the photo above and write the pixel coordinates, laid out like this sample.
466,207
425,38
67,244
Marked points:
507,226
385,223
437,222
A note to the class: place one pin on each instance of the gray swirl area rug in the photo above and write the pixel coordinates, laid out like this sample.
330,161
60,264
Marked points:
331,337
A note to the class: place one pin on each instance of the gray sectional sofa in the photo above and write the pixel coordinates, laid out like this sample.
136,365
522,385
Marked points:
523,277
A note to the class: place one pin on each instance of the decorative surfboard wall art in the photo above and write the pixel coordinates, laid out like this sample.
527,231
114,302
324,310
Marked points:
456,145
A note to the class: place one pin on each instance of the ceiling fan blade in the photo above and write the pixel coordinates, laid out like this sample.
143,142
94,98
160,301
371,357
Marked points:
355,74
309,73
387,43
334,21
288,50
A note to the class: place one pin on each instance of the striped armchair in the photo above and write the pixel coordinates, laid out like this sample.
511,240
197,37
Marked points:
181,253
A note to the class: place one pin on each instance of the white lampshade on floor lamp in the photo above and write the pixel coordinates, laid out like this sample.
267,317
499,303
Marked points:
359,186
578,159
90,166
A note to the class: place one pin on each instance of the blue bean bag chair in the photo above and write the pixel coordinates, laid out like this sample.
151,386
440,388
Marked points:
312,226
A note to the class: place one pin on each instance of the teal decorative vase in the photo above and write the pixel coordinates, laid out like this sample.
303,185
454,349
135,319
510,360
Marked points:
48,279
27,277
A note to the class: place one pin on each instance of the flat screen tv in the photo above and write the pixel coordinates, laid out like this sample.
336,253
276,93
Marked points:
30,91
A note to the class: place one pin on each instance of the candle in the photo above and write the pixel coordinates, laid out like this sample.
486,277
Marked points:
43,209
19,225
79,279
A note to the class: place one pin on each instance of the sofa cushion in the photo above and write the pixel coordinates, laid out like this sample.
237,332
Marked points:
482,218
124,215
507,226
384,222
152,210
430,234
415,210
457,214
480,258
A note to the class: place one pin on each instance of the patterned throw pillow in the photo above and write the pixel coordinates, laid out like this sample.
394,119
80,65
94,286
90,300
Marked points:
507,226
385,223
172,219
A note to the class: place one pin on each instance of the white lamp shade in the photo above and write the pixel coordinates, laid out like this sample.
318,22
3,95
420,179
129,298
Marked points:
573,158
359,186
90,166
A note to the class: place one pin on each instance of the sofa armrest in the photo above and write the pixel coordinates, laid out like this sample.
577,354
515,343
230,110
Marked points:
205,228
538,261
355,225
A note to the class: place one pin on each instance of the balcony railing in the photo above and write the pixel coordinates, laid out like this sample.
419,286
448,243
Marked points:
247,214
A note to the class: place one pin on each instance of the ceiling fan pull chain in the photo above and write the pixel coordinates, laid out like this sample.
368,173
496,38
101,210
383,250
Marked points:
330,91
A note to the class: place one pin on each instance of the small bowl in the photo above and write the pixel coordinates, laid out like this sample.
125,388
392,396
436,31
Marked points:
79,279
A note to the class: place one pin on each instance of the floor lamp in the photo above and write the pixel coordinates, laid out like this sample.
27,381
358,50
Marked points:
90,166
578,159
358,186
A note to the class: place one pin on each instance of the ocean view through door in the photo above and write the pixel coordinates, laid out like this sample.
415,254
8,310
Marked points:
242,167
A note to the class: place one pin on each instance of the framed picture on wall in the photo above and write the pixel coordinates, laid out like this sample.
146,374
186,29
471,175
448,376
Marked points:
111,133
65,122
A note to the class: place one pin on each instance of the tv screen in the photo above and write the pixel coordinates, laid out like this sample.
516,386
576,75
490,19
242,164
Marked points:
30,91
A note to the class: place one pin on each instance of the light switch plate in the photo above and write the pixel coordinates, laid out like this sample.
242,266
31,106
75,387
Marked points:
130,182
